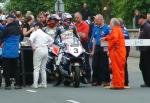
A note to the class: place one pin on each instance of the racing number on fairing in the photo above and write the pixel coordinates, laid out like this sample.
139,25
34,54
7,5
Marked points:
75,50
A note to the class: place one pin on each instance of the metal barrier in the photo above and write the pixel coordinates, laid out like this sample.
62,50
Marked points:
134,34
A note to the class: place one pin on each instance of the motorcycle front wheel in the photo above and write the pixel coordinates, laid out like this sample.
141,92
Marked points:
76,77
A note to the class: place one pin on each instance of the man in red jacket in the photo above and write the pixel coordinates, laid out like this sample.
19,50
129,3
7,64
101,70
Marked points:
83,31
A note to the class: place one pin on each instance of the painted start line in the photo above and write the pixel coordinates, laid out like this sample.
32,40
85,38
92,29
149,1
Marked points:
72,101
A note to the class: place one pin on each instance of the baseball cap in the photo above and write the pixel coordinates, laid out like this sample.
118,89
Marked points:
11,16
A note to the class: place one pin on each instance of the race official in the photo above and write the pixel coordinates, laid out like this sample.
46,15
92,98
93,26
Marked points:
40,41
144,51
100,63
83,31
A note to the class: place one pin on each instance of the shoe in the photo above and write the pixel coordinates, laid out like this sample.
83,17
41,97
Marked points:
105,84
127,87
18,87
42,86
34,86
114,88
108,87
94,84
144,85
84,80
7,87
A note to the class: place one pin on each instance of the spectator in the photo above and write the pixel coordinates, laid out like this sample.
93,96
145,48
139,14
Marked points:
2,17
101,75
135,19
1,62
144,51
83,31
126,35
13,12
10,52
18,15
40,42
27,29
85,11
28,13
117,54
148,18
42,19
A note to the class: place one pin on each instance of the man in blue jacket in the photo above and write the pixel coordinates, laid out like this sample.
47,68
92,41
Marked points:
10,52
101,74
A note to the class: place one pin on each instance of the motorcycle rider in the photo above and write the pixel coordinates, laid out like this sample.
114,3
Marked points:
68,32
67,24
52,25
51,29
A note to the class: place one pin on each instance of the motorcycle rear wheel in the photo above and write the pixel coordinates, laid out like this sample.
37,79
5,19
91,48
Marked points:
58,77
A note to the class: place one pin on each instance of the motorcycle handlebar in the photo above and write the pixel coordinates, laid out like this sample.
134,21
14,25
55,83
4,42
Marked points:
87,53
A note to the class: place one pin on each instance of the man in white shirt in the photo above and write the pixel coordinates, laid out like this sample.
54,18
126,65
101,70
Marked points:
40,41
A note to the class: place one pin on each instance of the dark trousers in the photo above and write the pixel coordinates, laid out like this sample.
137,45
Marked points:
0,77
145,66
100,66
87,65
0,72
126,67
11,70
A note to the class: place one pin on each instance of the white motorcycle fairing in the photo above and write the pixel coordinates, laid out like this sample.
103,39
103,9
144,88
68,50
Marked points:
75,50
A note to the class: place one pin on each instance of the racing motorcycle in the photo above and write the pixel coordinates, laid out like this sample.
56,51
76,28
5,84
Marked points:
51,63
70,64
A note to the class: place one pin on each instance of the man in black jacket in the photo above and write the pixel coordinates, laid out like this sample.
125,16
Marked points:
85,11
148,18
144,51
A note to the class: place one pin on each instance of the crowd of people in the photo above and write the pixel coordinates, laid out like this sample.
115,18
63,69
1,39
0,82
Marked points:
42,31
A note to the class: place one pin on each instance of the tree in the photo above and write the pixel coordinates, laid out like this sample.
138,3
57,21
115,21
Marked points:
73,6
125,8
2,0
109,8
33,5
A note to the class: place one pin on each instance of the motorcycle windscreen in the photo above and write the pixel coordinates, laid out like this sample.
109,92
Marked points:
67,37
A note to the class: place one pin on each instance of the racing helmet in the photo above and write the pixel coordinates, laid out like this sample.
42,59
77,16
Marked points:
53,20
66,19
66,16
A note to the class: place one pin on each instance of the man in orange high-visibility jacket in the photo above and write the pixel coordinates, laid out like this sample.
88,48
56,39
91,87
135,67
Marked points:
117,53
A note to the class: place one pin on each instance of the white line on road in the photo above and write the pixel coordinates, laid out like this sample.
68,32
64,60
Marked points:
32,91
72,101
